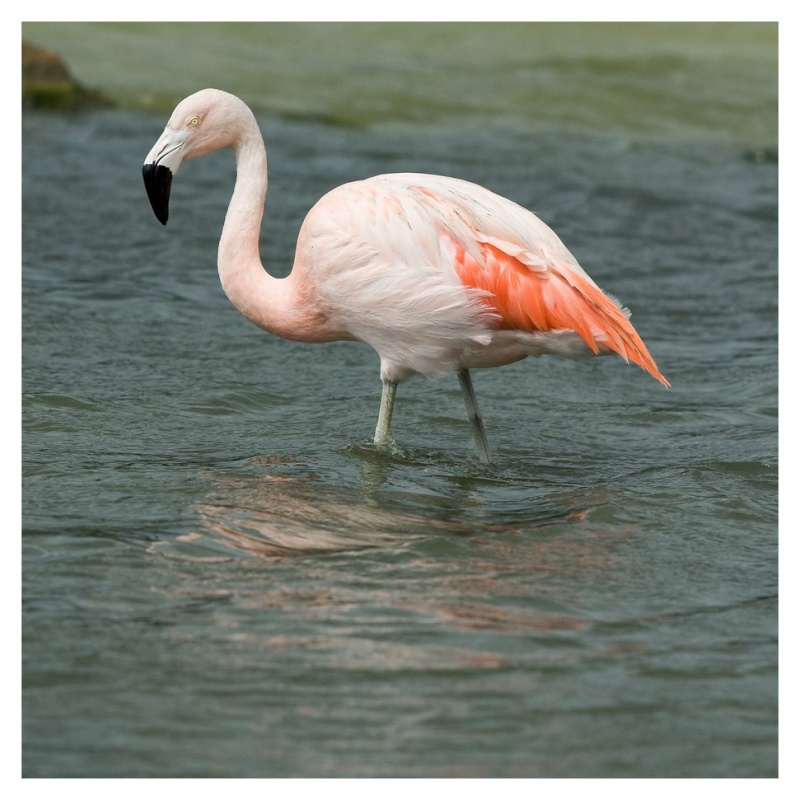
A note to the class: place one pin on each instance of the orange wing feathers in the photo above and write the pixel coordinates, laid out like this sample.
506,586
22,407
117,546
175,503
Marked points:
538,296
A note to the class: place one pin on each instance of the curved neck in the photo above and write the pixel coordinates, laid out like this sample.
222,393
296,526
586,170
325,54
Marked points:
286,307
238,260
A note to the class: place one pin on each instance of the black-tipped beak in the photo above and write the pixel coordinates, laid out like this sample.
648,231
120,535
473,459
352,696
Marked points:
158,181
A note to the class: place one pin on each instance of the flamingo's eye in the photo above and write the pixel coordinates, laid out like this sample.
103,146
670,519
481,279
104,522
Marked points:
193,122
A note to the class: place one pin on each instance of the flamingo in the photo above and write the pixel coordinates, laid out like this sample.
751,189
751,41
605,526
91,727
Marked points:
434,273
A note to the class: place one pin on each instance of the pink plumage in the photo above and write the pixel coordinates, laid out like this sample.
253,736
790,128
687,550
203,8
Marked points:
436,274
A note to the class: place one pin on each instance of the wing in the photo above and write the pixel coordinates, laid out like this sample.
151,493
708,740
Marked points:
527,276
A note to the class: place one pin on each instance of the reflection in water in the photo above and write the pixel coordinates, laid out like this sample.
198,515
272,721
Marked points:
281,516
278,515
512,579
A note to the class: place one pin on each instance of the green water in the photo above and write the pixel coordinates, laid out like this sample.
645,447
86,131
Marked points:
220,578
668,80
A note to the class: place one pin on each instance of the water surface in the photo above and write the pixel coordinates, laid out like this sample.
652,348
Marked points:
222,578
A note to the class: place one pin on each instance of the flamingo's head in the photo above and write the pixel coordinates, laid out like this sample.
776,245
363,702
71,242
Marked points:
203,122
